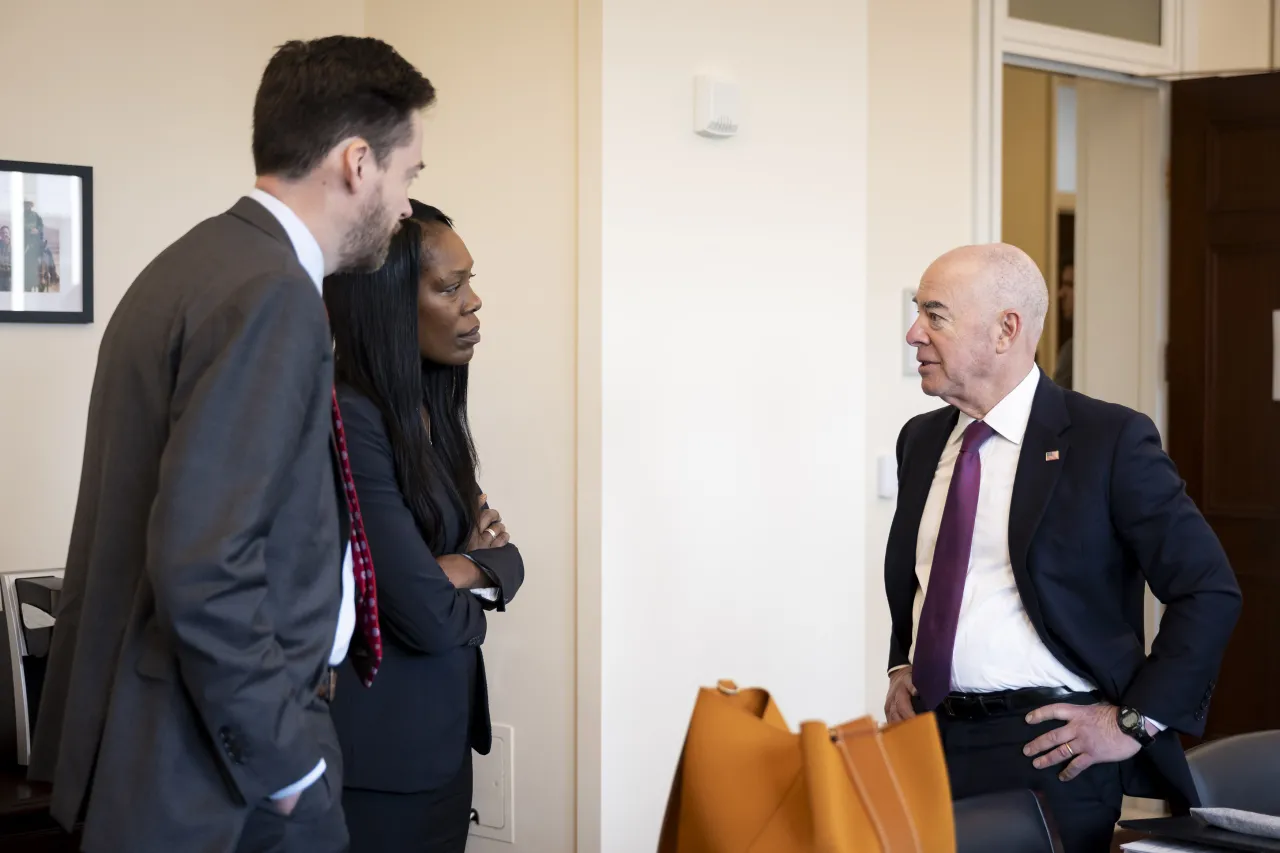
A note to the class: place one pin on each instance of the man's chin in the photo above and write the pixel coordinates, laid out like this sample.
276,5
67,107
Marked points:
931,386
367,263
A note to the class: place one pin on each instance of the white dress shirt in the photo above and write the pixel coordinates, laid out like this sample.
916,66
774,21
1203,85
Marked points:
997,648
312,260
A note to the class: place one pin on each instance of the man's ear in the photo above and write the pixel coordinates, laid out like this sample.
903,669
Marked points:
356,158
1011,327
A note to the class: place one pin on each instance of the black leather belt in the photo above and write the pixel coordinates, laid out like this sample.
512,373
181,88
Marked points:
328,685
979,706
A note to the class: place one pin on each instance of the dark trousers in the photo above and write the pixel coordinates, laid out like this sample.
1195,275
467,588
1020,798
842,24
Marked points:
985,756
427,822
314,826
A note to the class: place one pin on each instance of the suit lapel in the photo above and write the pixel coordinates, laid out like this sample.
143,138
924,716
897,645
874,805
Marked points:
920,464
1034,483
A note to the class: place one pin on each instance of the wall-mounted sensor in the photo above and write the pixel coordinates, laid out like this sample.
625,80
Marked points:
715,107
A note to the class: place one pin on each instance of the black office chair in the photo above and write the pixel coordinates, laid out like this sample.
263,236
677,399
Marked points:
1010,821
28,600
1239,772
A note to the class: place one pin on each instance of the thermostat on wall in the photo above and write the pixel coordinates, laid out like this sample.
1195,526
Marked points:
715,107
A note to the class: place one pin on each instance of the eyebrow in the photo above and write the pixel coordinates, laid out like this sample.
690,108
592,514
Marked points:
933,305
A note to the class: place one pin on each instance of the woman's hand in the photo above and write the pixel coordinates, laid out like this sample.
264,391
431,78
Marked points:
490,532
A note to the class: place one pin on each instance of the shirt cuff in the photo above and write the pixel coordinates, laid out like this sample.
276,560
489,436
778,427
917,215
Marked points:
302,784
1159,726
892,670
488,593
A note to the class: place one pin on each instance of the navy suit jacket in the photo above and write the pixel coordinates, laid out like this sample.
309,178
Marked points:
429,704
1085,531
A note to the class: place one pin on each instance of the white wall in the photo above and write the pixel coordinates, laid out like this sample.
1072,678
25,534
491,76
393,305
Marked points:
157,97
920,204
732,420
500,155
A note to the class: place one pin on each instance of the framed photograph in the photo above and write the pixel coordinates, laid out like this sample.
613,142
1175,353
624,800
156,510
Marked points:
46,243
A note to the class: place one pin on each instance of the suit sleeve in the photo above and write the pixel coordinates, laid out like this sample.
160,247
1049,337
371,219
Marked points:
416,600
243,393
1187,570
505,567
899,586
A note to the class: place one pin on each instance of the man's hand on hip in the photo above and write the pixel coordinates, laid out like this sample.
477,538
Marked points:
1091,736
897,705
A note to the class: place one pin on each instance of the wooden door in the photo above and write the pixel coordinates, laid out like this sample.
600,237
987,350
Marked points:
1224,420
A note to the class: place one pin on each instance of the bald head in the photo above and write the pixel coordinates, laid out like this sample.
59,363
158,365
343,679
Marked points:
1004,277
982,310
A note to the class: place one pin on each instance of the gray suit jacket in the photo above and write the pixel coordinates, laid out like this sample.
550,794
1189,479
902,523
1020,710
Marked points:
203,579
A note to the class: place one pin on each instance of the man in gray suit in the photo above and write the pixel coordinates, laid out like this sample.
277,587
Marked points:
208,583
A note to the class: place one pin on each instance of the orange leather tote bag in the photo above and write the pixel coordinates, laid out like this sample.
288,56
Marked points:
747,784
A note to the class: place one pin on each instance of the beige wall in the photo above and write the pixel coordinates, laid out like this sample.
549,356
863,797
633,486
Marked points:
500,151
1229,35
157,97
164,119
920,204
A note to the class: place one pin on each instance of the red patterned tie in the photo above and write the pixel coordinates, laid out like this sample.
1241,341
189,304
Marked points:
368,658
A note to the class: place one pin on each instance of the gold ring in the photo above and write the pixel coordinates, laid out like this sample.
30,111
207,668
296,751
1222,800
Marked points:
492,535
1071,753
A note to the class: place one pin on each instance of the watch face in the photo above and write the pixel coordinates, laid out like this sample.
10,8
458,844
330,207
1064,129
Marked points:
1129,719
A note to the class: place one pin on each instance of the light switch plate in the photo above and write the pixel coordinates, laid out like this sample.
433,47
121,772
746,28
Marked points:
492,786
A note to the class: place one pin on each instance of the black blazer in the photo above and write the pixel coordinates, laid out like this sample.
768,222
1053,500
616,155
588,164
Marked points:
429,703
1084,532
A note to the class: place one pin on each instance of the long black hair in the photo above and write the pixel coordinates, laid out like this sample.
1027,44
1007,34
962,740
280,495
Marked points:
374,317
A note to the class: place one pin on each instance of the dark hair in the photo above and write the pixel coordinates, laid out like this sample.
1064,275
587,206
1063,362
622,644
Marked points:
375,333
314,94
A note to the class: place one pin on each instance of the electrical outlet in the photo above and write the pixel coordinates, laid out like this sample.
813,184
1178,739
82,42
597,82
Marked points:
493,786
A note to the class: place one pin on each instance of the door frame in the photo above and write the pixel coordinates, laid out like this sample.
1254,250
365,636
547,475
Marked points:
1000,40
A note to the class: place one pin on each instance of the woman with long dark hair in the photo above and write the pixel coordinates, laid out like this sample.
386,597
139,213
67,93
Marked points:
403,339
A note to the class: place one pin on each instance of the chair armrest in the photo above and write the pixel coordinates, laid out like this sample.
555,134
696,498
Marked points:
1010,821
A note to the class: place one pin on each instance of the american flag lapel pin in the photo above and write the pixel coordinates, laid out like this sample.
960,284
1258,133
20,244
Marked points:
1051,456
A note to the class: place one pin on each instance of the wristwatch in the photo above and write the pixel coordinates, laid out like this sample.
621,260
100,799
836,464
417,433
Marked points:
1134,725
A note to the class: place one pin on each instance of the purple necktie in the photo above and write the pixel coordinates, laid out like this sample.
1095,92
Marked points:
936,639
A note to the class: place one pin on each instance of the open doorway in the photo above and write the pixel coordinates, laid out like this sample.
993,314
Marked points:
1081,193
1039,197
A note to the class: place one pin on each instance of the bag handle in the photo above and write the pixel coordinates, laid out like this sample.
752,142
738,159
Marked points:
877,785
669,835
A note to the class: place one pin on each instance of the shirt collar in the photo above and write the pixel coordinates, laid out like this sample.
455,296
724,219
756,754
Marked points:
304,242
1010,416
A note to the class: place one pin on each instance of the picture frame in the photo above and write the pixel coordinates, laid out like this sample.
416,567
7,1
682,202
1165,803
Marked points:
46,243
